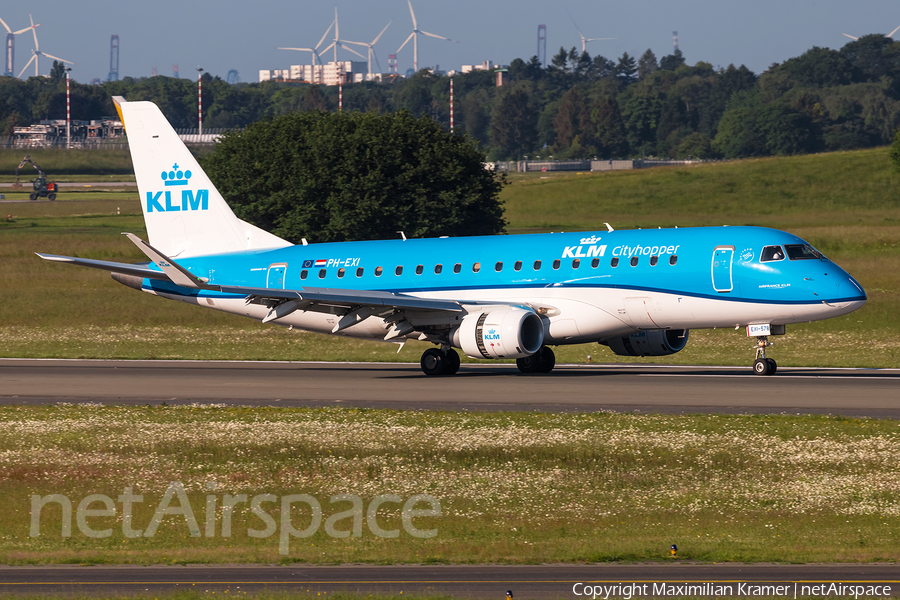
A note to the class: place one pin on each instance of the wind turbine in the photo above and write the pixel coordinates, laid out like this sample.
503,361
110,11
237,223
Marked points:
36,53
371,49
315,51
338,41
414,36
890,35
585,40
11,46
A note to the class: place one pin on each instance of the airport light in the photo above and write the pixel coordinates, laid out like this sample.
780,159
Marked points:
200,100
68,113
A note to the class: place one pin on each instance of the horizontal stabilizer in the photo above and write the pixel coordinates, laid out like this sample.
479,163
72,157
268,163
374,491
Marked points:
105,265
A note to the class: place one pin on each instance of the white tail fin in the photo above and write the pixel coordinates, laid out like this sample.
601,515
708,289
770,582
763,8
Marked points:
184,213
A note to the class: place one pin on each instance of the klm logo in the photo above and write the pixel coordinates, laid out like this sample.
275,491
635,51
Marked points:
166,202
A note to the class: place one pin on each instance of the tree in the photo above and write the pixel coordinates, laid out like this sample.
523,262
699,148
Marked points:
570,120
355,175
608,129
626,69
646,64
514,123
560,60
57,72
672,61
895,152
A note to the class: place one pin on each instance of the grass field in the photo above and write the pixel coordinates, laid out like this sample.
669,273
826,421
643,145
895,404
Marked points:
60,164
513,488
846,204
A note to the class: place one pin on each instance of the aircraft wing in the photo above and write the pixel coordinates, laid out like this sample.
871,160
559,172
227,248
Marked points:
403,312
347,298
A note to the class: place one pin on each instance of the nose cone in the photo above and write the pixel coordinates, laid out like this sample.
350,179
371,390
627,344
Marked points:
847,294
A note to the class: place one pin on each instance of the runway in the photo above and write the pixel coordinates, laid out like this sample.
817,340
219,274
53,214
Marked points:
466,581
664,389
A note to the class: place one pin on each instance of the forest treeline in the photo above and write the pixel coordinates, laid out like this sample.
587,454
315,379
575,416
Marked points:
578,106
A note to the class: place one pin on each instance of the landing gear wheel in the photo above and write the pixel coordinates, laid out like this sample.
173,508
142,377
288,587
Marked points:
433,362
548,359
451,363
529,364
541,361
763,365
51,196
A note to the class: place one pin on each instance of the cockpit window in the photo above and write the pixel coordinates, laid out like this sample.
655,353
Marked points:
770,253
802,252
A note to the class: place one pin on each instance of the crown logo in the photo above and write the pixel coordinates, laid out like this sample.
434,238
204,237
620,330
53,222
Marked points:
176,176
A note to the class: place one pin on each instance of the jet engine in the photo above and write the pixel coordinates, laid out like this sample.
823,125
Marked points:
655,342
501,333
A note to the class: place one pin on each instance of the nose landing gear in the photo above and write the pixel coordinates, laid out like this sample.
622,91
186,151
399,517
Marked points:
763,365
439,362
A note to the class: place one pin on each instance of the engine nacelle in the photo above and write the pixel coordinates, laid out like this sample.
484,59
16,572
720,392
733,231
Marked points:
655,342
500,333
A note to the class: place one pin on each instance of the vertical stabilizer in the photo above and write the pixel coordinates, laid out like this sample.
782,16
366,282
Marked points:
184,213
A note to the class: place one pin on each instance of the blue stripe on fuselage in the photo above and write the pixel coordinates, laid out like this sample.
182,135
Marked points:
784,282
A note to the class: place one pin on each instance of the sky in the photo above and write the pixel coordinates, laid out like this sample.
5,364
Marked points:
222,35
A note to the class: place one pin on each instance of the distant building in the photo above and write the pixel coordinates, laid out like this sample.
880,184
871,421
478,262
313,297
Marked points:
328,74
485,66
53,133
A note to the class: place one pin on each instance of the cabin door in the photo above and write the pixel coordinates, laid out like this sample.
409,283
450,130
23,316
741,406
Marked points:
722,259
276,276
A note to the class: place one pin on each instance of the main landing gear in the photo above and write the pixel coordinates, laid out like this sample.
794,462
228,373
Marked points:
541,361
763,365
439,362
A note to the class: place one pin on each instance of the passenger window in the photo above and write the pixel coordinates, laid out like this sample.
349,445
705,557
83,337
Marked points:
595,263
614,262
654,260
498,267
770,253
518,265
476,267
634,261
419,269
576,262
359,272
438,269
341,273
673,259
303,274
556,263
398,270
378,271
321,273
537,265
457,268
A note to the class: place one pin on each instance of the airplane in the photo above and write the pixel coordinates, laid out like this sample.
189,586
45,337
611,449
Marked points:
639,292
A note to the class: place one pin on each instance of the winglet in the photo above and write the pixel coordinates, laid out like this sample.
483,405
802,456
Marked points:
178,274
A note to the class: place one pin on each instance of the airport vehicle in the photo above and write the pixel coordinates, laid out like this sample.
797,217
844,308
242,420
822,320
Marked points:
42,188
495,297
